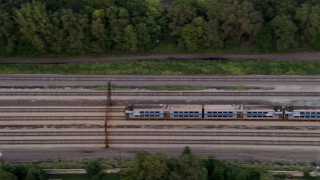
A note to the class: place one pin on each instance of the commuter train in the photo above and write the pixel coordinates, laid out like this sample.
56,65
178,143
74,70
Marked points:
221,112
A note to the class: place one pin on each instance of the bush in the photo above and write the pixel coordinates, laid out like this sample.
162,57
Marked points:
7,176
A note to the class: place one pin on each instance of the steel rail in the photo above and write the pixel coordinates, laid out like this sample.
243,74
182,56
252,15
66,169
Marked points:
172,93
158,142
11,110
161,133
213,142
150,78
214,133
58,118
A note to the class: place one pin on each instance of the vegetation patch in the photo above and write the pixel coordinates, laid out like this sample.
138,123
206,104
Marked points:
172,67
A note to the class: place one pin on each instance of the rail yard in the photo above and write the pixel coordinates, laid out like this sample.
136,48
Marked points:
65,118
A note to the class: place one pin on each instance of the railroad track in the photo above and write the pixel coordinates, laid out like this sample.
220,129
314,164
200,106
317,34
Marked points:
171,93
213,133
52,78
50,118
59,118
213,142
15,109
162,133
158,142
52,133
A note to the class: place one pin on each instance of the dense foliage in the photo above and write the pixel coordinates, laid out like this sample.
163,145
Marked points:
26,172
7,176
42,27
187,166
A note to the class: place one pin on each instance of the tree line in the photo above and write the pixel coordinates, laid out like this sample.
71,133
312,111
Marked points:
42,27
187,166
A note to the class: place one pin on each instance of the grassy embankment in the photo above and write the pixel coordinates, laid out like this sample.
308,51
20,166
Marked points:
170,67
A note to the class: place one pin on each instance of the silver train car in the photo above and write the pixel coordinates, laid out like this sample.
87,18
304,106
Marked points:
209,112
309,113
162,111
233,112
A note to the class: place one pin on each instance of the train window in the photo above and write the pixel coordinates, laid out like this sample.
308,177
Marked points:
180,115
141,111
136,116
318,112
301,112
209,112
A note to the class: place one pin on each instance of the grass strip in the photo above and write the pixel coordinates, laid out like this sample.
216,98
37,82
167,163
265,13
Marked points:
172,67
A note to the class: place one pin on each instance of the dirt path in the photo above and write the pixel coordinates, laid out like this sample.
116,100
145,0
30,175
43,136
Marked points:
305,56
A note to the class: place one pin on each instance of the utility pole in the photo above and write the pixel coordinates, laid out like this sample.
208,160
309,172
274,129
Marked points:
108,112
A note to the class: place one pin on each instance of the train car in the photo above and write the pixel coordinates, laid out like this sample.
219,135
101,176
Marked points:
232,112
223,112
302,113
146,111
186,112
162,111
263,112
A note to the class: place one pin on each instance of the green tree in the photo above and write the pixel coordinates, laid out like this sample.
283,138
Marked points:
99,34
237,21
284,32
187,167
35,173
118,19
309,24
8,35
193,35
180,15
143,36
71,32
130,39
7,176
148,167
34,25
94,169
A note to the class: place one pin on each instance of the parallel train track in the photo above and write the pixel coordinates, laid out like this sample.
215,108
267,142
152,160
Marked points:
146,93
51,78
158,142
59,118
162,133
44,109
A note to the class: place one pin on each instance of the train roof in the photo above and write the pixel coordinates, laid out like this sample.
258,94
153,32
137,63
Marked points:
301,108
164,106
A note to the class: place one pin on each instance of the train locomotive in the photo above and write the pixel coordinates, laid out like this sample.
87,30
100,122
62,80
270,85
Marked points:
220,112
